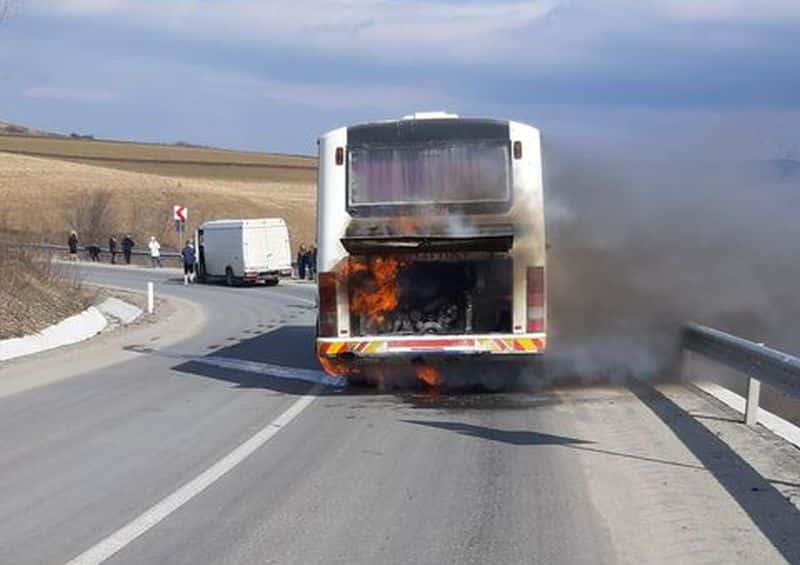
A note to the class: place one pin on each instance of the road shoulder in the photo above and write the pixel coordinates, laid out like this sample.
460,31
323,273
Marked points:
774,460
177,320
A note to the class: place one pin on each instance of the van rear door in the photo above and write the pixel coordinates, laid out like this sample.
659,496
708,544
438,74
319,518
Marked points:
255,248
279,249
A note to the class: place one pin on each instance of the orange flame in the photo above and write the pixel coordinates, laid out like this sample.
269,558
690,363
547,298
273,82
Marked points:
429,375
335,368
377,294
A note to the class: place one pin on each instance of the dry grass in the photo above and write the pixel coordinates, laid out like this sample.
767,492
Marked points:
49,186
34,293
168,160
42,197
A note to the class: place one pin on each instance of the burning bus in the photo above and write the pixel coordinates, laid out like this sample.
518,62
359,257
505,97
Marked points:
431,242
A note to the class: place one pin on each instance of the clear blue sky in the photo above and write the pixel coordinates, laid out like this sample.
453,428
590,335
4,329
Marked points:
717,76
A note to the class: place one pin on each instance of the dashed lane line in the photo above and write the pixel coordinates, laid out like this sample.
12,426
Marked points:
121,538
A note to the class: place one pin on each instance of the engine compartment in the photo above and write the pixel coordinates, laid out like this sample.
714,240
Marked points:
430,294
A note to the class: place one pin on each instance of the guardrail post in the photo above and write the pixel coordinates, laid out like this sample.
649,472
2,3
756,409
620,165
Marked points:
753,395
150,298
684,362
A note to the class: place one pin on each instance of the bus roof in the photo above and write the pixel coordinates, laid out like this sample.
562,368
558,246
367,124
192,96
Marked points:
440,124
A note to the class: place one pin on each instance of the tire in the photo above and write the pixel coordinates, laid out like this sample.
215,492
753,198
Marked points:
271,282
229,280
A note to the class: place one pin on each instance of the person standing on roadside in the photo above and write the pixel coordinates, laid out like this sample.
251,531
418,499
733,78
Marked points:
312,263
307,263
112,249
189,260
301,262
155,252
127,248
94,252
72,243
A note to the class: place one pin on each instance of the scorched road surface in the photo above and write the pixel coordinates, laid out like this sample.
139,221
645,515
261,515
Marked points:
571,475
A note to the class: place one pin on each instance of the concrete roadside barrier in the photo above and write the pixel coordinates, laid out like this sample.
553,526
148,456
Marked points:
74,329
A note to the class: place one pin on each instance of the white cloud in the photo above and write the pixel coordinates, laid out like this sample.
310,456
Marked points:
81,6
68,94
325,95
731,10
440,29
333,96
537,32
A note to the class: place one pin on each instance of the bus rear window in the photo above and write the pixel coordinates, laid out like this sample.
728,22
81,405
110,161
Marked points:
460,172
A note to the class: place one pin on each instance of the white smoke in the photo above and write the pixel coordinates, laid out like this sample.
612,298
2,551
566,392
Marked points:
638,249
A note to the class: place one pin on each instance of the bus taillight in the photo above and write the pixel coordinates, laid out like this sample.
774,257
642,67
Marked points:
340,155
517,150
535,299
327,305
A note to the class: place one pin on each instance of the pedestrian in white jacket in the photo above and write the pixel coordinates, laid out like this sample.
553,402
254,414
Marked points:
155,252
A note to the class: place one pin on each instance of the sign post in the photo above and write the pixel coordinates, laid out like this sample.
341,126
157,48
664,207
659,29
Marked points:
180,214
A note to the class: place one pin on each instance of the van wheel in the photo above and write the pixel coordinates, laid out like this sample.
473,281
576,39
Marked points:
271,282
229,280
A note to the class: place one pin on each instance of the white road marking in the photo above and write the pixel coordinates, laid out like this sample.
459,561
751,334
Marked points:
267,369
125,535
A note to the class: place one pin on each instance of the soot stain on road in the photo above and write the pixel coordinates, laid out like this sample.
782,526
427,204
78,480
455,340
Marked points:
515,398
472,401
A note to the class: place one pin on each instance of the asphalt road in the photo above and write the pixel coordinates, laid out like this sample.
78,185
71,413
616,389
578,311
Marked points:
136,456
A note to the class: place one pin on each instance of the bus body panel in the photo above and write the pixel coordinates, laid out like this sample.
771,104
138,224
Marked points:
332,219
527,215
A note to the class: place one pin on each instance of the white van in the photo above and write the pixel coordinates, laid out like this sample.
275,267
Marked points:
244,251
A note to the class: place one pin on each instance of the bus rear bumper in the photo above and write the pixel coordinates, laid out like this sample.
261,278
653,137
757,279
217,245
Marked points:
414,347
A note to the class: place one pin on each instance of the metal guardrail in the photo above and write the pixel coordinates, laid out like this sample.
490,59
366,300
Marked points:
103,250
758,362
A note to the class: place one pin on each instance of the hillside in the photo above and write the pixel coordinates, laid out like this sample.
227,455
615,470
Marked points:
7,128
49,186
167,160
34,293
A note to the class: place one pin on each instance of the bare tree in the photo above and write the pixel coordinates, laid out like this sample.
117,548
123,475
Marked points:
91,218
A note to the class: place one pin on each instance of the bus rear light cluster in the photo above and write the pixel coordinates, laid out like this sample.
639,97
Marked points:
535,299
340,155
328,320
517,150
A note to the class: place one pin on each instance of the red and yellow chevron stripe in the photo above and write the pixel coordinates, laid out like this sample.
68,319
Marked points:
494,345
512,345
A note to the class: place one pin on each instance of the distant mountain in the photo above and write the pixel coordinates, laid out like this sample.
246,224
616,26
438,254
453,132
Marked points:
14,129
